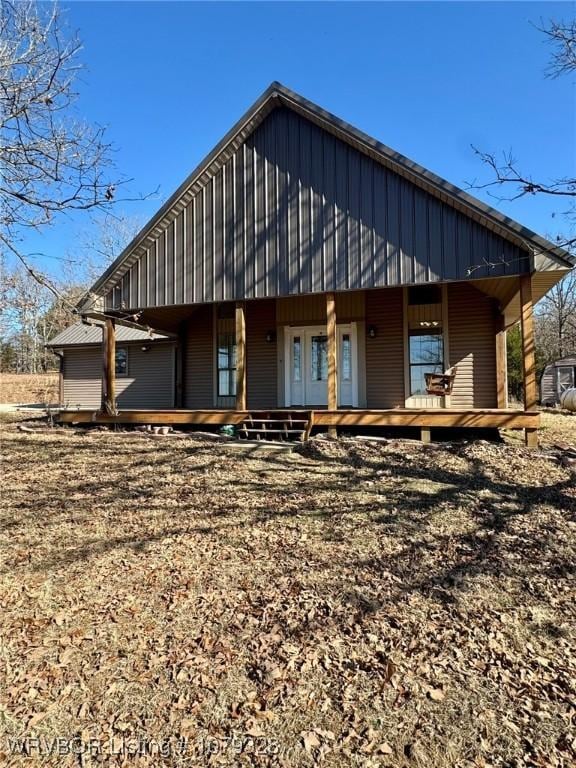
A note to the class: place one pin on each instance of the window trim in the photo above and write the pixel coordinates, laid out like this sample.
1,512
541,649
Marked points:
413,333
415,401
127,371
559,368
230,369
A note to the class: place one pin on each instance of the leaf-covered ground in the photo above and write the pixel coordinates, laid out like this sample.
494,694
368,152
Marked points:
353,604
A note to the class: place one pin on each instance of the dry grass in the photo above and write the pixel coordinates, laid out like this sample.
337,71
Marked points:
28,388
558,427
353,605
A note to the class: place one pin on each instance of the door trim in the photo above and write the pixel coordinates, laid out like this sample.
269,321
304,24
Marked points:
291,331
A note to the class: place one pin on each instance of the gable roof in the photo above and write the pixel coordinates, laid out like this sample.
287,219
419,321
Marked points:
80,334
547,255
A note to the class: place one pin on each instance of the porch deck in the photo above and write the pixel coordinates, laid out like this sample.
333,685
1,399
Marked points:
397,417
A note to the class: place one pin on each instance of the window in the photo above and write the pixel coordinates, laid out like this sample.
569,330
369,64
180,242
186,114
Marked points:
346,367
426,356
226,365
319,362
297,358
121,365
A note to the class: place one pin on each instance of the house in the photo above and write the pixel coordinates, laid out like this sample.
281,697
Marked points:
556,378
144,367
306,274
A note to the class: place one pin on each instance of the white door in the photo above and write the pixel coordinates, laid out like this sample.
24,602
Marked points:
306,377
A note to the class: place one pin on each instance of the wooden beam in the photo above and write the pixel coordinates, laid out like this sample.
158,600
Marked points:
528,358
426,435
101,317
531,437
108,403
332,354
154,417
240,356
427,418
528,353
501,364
432,417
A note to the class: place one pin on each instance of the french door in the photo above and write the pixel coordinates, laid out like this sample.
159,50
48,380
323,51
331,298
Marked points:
306,362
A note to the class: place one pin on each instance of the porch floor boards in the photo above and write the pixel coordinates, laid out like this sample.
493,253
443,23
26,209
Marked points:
397,417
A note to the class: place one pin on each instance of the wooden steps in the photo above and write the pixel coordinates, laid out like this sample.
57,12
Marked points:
288,426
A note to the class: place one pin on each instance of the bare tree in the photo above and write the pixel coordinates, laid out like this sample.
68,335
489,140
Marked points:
97,247
24,303
562,36
556,321
51,161
504,168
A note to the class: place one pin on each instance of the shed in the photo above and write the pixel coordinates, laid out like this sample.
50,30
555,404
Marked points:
556,379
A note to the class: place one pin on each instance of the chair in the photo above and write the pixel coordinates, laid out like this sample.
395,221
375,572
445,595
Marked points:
440,383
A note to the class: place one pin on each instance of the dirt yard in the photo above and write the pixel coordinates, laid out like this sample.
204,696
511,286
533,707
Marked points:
24,388
352,604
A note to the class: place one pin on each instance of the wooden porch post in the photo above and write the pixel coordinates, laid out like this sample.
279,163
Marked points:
240,357
528,358
108,404
501,363
332,354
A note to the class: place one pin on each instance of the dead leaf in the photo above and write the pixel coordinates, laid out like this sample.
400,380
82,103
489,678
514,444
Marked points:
310,740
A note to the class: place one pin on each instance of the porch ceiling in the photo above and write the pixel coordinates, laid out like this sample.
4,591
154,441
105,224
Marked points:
507,290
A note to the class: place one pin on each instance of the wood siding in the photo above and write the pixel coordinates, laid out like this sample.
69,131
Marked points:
261,362
385,352
296,210
472,347
149,384
311,310
199,360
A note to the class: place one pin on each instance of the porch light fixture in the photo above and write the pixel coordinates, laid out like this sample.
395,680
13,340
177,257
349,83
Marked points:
372,331
145,348
270,336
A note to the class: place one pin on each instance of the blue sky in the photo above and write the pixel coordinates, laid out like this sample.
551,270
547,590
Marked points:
428,79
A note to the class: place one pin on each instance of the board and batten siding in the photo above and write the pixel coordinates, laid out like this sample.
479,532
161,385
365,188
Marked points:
296,210
385,352
472,347
149,384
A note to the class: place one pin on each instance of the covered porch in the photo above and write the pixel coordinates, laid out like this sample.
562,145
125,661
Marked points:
348,359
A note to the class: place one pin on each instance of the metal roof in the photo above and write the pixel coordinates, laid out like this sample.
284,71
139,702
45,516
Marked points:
562,361
81,334
277,95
